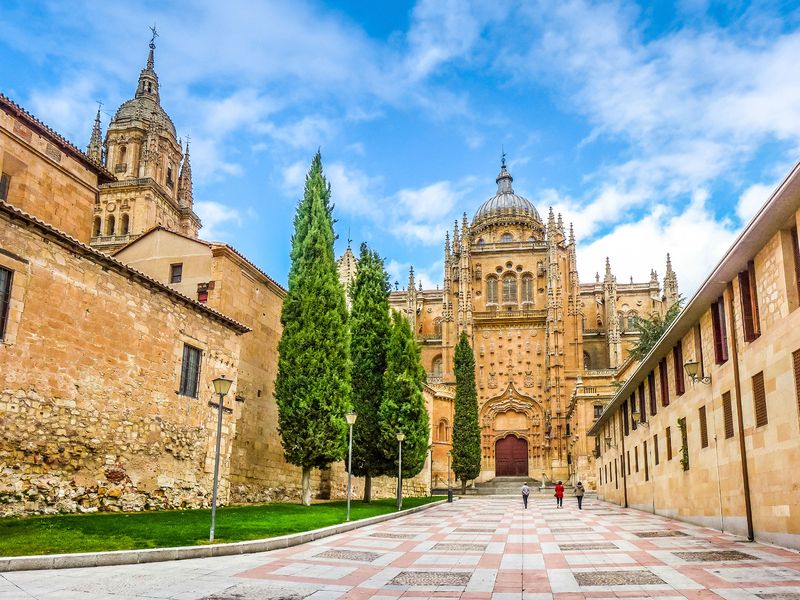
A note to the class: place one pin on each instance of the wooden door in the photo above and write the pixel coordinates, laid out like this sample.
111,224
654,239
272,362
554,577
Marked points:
511,457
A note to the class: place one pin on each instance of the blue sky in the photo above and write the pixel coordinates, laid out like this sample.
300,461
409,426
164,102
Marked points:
654,129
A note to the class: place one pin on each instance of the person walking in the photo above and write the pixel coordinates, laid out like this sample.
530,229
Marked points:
559,495
579,491
525,491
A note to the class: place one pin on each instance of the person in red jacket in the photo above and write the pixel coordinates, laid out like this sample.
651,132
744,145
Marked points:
559,495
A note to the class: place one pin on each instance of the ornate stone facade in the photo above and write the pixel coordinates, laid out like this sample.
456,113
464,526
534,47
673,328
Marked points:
541,339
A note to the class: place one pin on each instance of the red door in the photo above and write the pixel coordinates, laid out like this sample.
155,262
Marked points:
511,457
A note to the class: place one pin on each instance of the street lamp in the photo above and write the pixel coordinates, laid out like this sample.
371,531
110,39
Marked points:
692,370
449,486
221,387
351,420
400,437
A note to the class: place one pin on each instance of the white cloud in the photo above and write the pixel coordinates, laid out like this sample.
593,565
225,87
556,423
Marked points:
693,237
751,200
218,219
431,275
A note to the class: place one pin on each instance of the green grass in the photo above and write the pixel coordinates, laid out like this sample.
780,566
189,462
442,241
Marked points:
96,532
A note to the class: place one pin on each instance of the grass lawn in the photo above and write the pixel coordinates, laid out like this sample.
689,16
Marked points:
58,534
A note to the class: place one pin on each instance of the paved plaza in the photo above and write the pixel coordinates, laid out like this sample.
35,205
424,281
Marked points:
488,548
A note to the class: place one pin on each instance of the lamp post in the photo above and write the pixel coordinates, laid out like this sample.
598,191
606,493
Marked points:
351,420
693,369
449,486
400,437
221,387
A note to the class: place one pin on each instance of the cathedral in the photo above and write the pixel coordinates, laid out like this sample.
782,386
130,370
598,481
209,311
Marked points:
543,341
142,150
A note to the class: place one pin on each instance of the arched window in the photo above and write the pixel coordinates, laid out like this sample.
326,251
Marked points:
506,237
124,224
110,225
527,288
632,317
437,328
510,289
98,227
491,290
436,366
123,151
442,432
587,361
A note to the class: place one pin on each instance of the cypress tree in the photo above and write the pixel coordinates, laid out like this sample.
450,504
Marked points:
403,406
466,431
369,330
312,388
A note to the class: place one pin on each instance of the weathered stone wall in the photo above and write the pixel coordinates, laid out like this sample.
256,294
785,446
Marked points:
88,405
46,181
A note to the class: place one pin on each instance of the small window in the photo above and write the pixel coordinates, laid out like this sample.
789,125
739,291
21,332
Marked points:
677,355
598,410
642,407
437,328
170,182
636,457
668,437
190,371
651,392
644,458
176,273
442,430
506,237
703,428
436,366
796,365
527,288
760,399
720,331
111,223
727,414
698,349
655,448
491,290
685,442
510,289
616,477
628,460
5,183
5,299
202,296
623,413
749,300
125,224
98,227
664,379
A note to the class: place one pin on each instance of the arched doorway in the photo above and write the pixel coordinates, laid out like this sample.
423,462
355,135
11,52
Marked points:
511,456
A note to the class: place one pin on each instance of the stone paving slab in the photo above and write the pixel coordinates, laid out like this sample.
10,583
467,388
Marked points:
453,551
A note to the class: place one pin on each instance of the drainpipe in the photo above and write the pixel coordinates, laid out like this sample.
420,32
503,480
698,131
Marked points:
738,392
624,464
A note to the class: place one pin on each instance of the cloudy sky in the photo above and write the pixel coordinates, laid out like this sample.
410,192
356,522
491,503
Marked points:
655,127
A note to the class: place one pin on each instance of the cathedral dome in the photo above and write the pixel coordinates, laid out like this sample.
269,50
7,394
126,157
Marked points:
144,109
505,205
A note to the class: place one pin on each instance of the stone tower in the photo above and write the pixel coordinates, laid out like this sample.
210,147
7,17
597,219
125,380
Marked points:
143,151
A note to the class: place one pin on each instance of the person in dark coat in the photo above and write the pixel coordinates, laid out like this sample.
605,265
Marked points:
525,491
559,495
579,491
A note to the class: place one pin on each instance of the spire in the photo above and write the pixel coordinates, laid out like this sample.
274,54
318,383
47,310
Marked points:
560,223
185,195
148,80
571,235
447,244
608,276
95,147
411,278
671,292
455,237
504,178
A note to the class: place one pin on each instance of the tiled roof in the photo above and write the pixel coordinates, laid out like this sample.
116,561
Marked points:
65,144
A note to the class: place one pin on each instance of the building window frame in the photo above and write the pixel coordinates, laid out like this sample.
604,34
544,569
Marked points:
701,412
6,282
748,296
677,356
5,185
663,377
176,272
651,392
720,331
510,289
759,400
491,290
727,415
190,371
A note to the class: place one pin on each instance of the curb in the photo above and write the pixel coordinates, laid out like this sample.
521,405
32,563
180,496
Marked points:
133,557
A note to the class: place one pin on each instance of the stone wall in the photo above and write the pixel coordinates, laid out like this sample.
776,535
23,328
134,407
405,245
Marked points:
90,415
48,180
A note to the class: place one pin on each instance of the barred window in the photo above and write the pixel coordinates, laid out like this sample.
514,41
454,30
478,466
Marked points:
510,289
760,399
527,288
727,413
703,428
190,371
5,299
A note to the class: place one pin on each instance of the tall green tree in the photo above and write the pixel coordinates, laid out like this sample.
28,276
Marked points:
369,330
651,330
312,388
403,406
466,431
